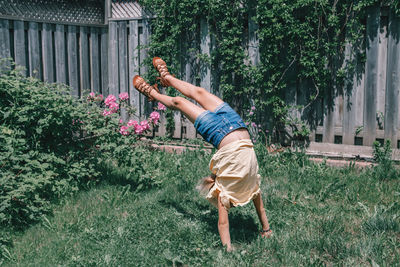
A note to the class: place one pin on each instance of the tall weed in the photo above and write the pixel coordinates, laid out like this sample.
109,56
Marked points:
383,156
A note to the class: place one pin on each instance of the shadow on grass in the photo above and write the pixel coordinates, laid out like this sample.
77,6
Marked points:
121,176
242,227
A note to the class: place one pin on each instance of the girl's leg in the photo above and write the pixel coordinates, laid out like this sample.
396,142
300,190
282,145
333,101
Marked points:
190,110
205,99
258,204
223,225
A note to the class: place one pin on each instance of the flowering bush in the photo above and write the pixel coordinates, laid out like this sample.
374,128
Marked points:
132,127
53,144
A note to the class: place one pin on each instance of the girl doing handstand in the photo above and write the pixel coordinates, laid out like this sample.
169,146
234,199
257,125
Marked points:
234,180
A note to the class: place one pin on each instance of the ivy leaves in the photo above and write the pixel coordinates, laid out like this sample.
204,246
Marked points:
301,42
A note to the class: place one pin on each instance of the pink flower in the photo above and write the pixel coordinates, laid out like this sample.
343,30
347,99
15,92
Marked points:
253,124
113,107
251,113
124,130
123,96
107,112
120,121
155,116
92,95
160,106
132,123
110,99
247,123
138,129
145,125
253,108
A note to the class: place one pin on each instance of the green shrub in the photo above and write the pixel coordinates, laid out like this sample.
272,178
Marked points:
53,144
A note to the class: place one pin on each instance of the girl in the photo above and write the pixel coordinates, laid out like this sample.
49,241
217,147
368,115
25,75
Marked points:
234,180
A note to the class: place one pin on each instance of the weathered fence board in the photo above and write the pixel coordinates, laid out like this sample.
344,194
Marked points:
187,72
371,71
47,51
34,50
349,104
253,45
123,56
73,71
94,60
134,64
392,115
83,58
329,119
61,64
5,40
104,63
205,72
145,106
123,60
113,81
19,45
381,79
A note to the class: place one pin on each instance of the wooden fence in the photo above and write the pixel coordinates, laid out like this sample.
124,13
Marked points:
105,59
369,111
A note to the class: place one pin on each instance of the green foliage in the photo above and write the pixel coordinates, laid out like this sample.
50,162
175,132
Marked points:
53,144
301,42
40,155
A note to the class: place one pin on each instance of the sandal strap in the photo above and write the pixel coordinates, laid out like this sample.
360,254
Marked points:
145,88
162,69
266,231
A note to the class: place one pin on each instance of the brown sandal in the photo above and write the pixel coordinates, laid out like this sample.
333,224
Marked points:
161,67
142,86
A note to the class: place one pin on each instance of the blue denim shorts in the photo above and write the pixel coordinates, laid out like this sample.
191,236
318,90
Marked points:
214,126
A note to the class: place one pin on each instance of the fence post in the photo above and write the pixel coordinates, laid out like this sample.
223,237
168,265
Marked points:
33,48
349,106
19,45
84,59
123,61
145,107
59,44
104,61
94,60
113,59
134,64
4,41
47,52
73,60
371,74
253,48
205,73
392,120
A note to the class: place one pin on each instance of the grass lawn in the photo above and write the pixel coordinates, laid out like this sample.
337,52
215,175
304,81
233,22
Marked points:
320,216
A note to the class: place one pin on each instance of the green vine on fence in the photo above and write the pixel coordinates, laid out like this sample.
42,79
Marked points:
300,42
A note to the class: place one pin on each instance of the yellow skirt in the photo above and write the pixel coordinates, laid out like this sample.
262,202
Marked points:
237,179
